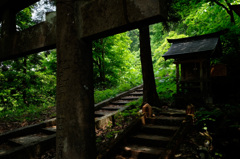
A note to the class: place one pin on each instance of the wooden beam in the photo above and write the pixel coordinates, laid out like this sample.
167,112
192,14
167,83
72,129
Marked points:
99,19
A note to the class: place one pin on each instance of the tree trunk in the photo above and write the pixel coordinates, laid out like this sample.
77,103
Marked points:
102,70
75,102
229,11
24,82
149,87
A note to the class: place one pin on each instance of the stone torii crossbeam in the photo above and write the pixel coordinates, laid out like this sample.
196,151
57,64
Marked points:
76,24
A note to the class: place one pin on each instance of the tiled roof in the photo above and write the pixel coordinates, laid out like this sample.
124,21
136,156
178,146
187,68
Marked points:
198,46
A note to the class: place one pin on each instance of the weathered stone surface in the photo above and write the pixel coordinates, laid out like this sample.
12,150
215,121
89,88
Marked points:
32,40
75,99
99,18
106,17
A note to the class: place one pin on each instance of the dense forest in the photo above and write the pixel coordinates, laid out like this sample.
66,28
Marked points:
28,84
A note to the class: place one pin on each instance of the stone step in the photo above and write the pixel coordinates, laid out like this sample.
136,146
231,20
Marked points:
149,140
31,138
111,108
173,114
139,90
136,93
130,98
141,152
97,115
120,102
159,129
49,130
165,120
104,112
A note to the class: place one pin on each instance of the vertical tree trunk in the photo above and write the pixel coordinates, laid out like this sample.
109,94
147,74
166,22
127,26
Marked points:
102,71
149,87
177,76
229,11
24,82
75,103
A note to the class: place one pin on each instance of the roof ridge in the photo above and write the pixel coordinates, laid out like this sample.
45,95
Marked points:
198,37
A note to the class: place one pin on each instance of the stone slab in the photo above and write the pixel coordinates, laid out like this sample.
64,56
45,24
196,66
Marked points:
144,149
24,140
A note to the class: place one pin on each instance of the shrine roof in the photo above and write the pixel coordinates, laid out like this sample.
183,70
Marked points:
197,46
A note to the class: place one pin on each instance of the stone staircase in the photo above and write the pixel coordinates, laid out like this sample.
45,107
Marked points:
150,140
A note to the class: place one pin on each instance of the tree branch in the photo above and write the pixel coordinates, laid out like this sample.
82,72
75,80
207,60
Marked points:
229,11
220,4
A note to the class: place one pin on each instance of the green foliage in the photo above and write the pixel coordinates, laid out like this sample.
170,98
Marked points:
164,70
166,88
26,85
31,81
129,114
30,113
122,120
225,115
205,118
26,88
166,84
219,122
133,110
136,102
100,95
162,47
191,18
23,19
201,17
205,16
134,36
113,61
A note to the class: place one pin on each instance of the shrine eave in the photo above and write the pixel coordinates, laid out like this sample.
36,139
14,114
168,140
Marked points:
198,46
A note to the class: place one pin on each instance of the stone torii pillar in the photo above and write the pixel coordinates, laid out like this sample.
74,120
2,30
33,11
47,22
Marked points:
8,23
75,101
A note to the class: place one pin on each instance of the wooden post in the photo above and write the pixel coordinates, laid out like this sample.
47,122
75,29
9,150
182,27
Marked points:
149,87
75,102
201,76
177,76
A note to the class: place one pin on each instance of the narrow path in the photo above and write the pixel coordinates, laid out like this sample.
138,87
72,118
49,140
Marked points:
106,111
150,141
